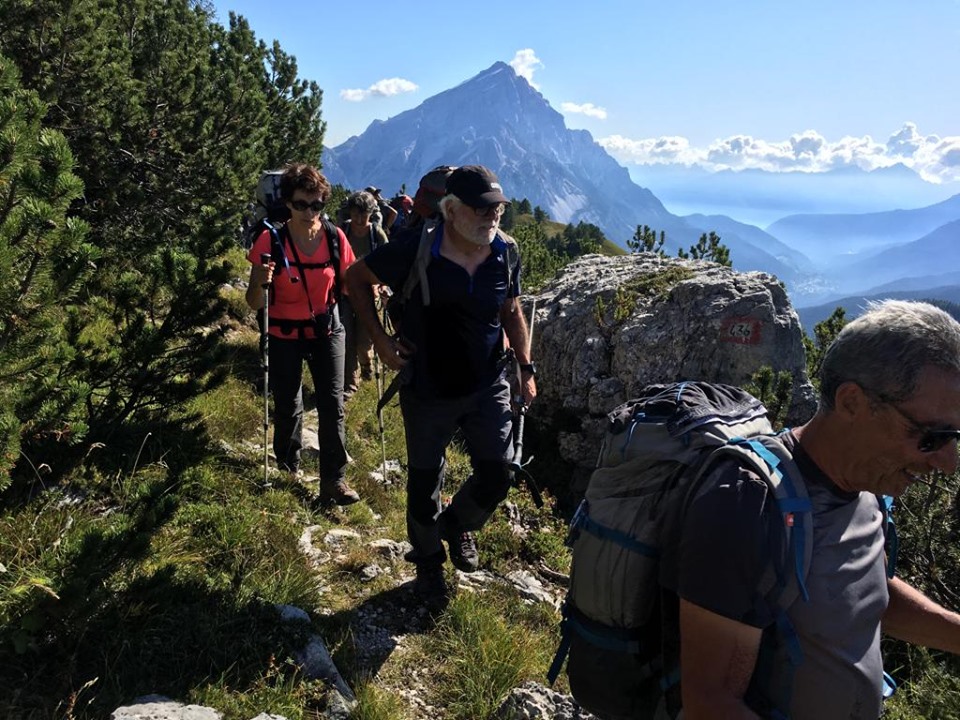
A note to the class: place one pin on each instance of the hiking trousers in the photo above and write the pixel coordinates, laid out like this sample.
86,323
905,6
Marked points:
358,360
324,358
485,421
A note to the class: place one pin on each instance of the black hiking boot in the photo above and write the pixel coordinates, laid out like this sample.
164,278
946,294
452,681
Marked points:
463,548
336,493
431,587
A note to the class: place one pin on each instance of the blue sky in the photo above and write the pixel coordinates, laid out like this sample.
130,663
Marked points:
776,85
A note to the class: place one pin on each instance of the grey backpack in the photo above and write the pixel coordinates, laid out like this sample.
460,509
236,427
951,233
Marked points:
620,628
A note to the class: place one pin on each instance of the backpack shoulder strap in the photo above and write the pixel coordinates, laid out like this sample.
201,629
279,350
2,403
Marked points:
890,540
768,457
333,239
418,272
513,258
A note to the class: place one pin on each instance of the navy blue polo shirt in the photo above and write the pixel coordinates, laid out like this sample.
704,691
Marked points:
459,338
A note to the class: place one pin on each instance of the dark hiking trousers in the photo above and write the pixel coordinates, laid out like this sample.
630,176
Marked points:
485,421
324,357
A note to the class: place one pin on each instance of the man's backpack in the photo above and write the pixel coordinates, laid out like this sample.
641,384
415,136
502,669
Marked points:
620,626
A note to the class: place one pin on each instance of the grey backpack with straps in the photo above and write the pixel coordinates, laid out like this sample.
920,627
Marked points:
620,628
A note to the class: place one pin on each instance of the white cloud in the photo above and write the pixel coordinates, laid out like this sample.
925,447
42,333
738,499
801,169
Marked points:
936,159
387,87
525,63
588,109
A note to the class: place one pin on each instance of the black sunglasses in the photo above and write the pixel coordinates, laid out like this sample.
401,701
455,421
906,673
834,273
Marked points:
302,205
931,439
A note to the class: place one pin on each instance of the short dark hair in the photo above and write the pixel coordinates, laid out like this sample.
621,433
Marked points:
362,201
300,176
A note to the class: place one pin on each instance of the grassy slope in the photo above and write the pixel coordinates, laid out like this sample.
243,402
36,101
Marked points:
150,579
157,572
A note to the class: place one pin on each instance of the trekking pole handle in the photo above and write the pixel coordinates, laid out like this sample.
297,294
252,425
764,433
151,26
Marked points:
265,260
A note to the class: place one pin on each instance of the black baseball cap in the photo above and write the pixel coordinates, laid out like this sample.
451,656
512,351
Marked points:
476,186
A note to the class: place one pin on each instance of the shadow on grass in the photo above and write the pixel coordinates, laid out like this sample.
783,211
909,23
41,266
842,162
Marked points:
120,627
159,635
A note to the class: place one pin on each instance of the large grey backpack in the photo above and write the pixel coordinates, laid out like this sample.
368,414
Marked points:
620,628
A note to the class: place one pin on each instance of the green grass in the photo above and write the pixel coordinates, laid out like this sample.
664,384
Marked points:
486,652
156,571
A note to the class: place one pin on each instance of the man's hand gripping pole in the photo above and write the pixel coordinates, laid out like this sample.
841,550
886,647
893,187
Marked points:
518,466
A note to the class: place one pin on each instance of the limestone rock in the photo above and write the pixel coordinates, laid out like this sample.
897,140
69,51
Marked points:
608,326
155,707
532,701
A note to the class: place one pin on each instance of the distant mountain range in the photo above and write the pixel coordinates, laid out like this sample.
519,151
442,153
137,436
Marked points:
497,119
856,304
761,198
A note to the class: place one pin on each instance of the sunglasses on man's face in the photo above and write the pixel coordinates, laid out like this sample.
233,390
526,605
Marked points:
930,439
489,210
303,205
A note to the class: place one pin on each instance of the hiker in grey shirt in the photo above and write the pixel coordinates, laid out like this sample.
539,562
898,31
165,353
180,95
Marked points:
888,417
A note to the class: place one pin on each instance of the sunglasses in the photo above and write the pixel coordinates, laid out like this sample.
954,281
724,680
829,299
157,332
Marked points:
303,205
489,210
930,439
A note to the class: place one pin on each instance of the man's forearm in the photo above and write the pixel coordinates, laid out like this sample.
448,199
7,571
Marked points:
915,618
515,327
360,291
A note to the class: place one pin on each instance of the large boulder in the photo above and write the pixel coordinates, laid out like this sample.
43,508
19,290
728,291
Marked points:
608,326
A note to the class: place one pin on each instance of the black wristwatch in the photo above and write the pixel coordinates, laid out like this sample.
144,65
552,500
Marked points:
529,368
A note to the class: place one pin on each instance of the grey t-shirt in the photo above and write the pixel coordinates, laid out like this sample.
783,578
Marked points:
732,530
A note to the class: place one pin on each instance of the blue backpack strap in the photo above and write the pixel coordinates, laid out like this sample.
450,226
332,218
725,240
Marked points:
795,507
891,540
889,686
583,521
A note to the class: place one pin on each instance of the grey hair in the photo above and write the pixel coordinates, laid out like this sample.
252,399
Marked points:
448,203
362,201
885,349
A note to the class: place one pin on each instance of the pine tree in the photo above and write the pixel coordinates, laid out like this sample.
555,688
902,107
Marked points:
709,248
45,260
645,240
171,117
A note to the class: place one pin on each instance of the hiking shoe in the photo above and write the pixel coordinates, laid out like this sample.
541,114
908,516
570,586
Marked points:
463,548
430,586
337,493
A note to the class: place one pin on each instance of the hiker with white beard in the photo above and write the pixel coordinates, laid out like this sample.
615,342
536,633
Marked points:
451,354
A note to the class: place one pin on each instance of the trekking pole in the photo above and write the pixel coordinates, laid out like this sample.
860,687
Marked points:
265,357
378,371
517,466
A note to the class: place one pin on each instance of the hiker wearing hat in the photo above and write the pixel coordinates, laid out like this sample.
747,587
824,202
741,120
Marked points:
364,236
383,215
451,354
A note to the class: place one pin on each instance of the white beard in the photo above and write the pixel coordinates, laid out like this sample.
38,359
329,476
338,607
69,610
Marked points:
476,235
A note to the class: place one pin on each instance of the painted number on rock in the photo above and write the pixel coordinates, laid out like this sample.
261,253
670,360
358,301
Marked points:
745,331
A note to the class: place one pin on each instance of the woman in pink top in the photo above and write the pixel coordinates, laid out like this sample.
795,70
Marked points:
308,258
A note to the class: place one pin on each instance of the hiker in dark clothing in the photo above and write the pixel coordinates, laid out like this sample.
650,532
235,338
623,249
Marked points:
888,418
452,356
364,237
